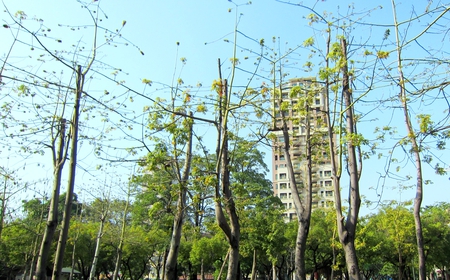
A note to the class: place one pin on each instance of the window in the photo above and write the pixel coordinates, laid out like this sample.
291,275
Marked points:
283,176
327,183
320,174
276,157
283,186
282,157
283,195
329,193
317,101
327,173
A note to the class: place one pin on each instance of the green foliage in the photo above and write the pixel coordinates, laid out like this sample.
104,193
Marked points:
425,123
147,82
207,250
388,237
308,42
382,54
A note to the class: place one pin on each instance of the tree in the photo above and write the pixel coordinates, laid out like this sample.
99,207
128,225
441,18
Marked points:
103,208
53,118
436,220
390,233
52,220
166,159
205,252
413,137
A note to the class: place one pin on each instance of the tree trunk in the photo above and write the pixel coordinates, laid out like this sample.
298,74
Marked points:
254,265
415,149
202,272
302,209
223,265
223,193
171,262
121,240
62,241
97,247
346,227
274,272
347,232
52,220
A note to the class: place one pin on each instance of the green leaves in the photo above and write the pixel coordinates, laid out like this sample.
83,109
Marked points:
425,123
147,82
382,54
308,42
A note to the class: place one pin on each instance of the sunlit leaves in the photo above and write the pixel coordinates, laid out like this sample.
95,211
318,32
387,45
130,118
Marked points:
312,18
20,15
23,90
425,122
382,54
201,108
367,53
147,82
440,170
217,86
308,42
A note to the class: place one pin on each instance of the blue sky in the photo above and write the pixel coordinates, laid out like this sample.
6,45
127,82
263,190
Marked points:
203,30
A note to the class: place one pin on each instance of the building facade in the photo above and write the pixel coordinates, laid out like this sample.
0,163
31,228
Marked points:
291,100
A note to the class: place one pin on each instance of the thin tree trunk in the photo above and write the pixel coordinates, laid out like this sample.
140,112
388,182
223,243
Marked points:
92,274
347,232
62,241
52,220
35,248
415,149
346,226
121,239
223,193
223,265
202,272
171,262
302,209
254,265
274,271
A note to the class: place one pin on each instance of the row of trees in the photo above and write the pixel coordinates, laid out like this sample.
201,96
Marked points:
181,187
385,244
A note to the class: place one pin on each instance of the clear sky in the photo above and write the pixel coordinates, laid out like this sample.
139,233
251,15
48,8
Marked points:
202,31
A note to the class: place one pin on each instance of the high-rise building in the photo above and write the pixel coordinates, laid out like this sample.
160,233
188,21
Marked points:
293,100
